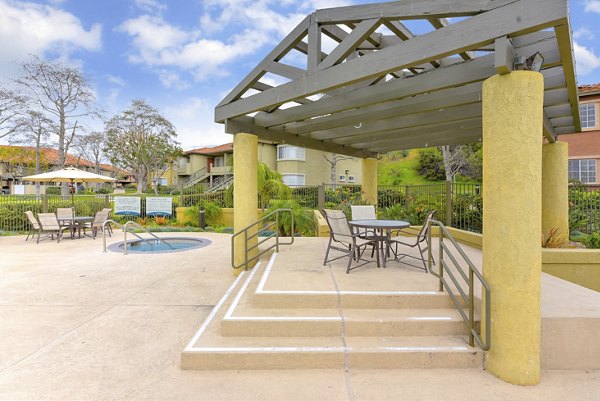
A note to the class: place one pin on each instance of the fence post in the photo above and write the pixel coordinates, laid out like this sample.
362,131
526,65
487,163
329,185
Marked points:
449,203
406,200
44,203
321,197
106,200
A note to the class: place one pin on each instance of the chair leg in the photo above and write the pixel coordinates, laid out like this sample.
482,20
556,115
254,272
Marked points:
350,258
327,252
422,258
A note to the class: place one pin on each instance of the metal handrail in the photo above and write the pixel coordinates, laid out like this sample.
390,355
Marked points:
124,227
468,299
247,237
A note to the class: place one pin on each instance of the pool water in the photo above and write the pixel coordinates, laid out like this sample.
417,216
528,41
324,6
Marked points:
164,245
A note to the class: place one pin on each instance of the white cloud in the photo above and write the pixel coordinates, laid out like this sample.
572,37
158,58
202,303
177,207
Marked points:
171,79
592,6
114,80
31,28
312,5
586,59
193,118
150,6
583,33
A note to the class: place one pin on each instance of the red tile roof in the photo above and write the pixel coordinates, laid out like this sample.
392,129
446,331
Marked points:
583,89
225,148
49,156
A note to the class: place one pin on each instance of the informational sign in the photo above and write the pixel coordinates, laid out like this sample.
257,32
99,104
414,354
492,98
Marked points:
128,205
159,206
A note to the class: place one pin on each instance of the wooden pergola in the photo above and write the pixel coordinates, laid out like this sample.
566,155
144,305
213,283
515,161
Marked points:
356,81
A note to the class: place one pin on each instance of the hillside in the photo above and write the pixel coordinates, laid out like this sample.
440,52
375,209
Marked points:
396,169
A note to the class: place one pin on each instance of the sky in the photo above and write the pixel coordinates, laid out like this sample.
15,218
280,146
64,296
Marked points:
184,56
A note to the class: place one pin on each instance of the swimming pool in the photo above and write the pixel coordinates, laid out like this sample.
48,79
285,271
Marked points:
164,245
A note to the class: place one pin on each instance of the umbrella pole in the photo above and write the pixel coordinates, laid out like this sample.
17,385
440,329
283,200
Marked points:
72,193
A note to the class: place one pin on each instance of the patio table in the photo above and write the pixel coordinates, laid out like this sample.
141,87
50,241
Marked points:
382,228
75,223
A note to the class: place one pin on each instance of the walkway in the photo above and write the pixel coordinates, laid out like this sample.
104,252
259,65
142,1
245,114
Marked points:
81,324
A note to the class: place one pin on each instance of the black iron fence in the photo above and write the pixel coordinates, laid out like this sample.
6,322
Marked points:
458,205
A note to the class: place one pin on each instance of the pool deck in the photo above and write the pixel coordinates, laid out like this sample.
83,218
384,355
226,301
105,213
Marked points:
78,323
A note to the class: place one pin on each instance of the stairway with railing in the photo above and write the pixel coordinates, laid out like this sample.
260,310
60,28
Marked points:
220,183
469,276
267,223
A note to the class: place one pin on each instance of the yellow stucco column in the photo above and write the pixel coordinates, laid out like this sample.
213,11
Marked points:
245,192
369,180
512,213
555,189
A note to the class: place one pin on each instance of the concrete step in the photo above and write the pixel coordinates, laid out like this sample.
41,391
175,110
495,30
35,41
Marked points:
352,299
356,322
330,353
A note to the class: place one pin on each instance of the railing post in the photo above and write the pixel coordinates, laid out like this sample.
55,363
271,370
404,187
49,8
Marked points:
429,250
106,200
441,260
321,197
246,250
449,203
406,197
125,239
471,309
277,230
45,203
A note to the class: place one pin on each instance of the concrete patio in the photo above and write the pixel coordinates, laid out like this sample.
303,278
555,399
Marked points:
78,323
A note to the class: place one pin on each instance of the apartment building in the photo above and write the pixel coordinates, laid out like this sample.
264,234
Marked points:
584,147
297,165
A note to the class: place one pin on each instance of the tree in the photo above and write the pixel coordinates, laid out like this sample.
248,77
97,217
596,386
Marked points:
333,161
11,108
91,147
270,186
63,94
142,141
33,128
430,164
455,158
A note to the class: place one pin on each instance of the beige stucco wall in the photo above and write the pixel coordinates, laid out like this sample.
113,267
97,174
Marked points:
317,170
267,154
198,162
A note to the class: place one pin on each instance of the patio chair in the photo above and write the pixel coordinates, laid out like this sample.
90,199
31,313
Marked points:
419,241
108,211
97,224
63,213
49,225
352,245
364,212
35,224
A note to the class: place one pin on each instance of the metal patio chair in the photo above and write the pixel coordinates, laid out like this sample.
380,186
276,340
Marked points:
419,241
49,225
98,224
35,224
351,244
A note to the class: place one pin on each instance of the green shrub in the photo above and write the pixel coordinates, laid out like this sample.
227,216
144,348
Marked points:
591,241
212,213
52,190
304,222
430,164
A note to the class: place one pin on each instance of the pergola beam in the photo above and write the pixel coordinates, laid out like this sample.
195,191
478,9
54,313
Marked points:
441,78
482,29
245,125
409,10
425,142
347,46
439,23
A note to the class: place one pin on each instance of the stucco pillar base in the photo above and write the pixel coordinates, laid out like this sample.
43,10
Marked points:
369,181
245,194
555,190
512,214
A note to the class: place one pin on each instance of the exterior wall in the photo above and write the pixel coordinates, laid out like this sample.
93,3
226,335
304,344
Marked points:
198,162
579,266
586,144
317,170
267,154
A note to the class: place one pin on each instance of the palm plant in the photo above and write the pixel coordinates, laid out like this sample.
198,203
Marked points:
304,222
270,187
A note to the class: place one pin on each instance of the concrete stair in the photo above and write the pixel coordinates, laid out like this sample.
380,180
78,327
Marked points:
253,328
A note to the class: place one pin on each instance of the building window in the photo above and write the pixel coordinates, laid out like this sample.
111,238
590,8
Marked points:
219,161
287,152
293,180
162,181
342,178
583,170
587,113
351,178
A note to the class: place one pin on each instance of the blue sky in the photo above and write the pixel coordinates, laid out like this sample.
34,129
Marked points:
183,56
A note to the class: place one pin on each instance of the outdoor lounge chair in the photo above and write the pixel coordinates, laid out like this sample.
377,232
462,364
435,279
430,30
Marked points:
35,225
352,245
364,212
108,211
49,225
97,224
65,213
419,241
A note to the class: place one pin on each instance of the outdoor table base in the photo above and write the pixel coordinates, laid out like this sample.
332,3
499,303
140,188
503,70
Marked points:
75,224
380,227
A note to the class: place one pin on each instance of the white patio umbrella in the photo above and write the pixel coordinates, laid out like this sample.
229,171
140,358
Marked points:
68,174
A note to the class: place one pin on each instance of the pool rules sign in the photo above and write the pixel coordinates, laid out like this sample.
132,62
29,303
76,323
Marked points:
127,205
159,206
